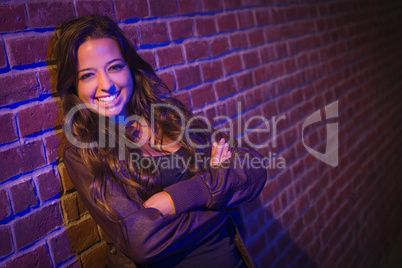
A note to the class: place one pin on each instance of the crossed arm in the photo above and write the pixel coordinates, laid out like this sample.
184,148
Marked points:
163,202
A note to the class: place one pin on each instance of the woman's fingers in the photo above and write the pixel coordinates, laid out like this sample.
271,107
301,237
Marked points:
224,153
219,152
216,152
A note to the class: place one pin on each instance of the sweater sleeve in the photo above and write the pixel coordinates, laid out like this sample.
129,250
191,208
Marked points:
142,234
238,180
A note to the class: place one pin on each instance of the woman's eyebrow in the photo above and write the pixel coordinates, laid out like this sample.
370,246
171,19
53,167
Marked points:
107,63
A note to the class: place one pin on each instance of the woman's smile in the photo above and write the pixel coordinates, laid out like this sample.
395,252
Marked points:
108,101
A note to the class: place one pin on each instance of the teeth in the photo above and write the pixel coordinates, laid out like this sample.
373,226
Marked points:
109,98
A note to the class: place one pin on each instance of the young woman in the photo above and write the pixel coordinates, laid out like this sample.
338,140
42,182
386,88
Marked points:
140,160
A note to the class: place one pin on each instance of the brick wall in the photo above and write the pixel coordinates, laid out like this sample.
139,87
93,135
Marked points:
280,60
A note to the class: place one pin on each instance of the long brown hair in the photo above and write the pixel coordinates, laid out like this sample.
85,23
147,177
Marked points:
104,162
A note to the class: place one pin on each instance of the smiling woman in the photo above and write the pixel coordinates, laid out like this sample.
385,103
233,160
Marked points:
183,214
104,79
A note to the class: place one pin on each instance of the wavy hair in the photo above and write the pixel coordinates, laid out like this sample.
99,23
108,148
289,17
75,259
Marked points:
104,162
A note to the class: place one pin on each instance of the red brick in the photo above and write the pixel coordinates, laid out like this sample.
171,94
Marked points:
70,208
225,88
290,65
309,216
211,115
27,50
246,19
37,224
238,40
21,159
148,56
54,145
232,64
221,110
196,50
38,118
205,26
262,17
128,10
251,59
261,74
288,216
82,209
245,81
6,242
8,133
18,88
257,93
47,81
3,61
65,179
49,185
211,70
277,15
12,17
232,107
95,257
256,37
281,50
153,33
283,180
189,6
160,8
219,46
202,95
169,80
91,7
271,34
82,235
276,69
47,14
181,29
188,76
60,248
287,31
232,4
257,244
131,32
269,191
23,196
212,5
37,258
270,108
5,207
291,13
184,98
226,23
169,56
267,53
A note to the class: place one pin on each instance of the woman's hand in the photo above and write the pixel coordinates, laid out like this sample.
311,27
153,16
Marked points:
162,202
219,152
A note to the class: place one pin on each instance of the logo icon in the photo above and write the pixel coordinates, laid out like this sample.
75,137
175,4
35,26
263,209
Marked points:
331,149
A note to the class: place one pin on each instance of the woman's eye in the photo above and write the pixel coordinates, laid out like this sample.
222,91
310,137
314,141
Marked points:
85,76
116,67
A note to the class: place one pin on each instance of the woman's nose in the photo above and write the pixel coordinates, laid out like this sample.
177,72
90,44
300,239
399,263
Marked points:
105,83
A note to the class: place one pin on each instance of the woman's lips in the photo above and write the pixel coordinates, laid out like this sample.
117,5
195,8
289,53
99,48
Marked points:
110,100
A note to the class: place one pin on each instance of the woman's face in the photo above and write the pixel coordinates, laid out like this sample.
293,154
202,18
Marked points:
104,79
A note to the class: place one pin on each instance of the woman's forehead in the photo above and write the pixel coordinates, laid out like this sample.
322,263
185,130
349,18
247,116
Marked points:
98,49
